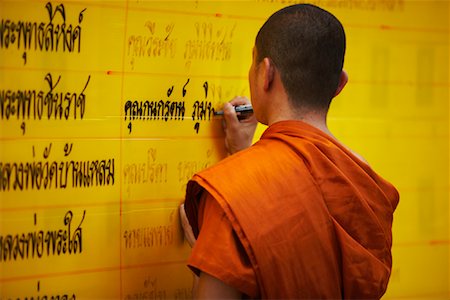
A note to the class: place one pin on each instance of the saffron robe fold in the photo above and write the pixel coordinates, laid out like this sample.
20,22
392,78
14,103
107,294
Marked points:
314,220
218,250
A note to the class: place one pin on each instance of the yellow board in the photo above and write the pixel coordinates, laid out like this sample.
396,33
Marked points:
106,110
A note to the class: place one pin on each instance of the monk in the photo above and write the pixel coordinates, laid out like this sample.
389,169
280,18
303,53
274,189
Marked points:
297,214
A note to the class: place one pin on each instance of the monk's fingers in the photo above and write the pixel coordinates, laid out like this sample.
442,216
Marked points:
188,233
230,117
238,128
235,118
229,114
239,100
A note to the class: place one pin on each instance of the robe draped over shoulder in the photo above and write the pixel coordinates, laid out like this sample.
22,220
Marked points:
313,219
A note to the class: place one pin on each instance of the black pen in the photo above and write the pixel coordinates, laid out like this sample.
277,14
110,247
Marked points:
242,109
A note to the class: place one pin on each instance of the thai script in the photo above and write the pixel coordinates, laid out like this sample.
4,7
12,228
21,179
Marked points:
152,45
208,50
188,168
43,36
146,172
150,290
34,104
45,174
43,242
202,110
151,237
154,110
169,110
46,296
211,43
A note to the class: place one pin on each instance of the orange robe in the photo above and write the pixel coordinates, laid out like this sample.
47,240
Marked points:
308,218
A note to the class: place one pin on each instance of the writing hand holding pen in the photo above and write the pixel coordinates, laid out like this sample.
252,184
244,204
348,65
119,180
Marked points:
239,126
241,111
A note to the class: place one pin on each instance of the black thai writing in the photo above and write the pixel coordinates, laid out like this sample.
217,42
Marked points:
43,175
213,44
154,110
153,44
151,237
169,110
34,104
39,243
202,110
148,172
43,36
46,297
43,295
47,174
373,5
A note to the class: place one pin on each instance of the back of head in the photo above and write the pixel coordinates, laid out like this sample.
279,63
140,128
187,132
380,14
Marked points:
307,46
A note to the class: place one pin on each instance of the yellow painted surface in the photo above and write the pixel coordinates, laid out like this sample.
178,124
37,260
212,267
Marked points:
103,122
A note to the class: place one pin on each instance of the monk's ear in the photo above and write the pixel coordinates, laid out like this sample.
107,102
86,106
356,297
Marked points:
343,79
269,72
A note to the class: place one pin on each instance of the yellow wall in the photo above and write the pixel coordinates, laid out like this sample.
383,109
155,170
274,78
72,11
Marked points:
395,113
119,234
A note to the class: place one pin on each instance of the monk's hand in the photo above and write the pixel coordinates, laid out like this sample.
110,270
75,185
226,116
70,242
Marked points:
239,129
188,233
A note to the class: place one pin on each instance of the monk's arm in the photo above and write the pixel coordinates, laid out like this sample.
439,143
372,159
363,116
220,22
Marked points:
206,286
210,287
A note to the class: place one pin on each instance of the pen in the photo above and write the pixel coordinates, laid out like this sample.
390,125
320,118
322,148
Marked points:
242,109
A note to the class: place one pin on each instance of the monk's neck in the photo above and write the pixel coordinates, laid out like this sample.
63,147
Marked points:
315,119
